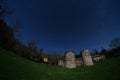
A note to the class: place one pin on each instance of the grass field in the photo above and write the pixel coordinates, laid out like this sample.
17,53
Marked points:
13,67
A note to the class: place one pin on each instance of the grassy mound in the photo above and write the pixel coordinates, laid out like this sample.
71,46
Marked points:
13,67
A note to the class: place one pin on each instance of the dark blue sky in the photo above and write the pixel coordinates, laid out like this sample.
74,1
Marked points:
62,25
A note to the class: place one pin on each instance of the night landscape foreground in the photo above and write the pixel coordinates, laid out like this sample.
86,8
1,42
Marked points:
14,67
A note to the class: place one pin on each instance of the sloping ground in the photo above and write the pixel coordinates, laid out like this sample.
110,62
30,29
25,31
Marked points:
13,67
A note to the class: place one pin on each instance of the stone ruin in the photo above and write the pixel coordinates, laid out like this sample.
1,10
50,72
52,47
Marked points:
98,58
87,59
70,61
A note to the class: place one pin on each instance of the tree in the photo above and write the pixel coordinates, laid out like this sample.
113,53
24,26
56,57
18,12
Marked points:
103,51
54,57
7,38
4,10
115,47
115,43
41,53
32,45
95,52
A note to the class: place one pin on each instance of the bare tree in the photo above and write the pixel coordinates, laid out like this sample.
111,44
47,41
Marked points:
4,10
7,38
54,57
115,43
95,52
32,45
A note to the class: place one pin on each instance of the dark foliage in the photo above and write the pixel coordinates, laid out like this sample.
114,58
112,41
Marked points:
4,10
115,43
54,57
7,38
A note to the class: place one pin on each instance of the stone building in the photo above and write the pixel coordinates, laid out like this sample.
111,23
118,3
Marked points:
97,58
87,59
70,59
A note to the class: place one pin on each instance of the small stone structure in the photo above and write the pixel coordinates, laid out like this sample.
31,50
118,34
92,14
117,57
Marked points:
79,61
70,59
60,63
87,59
97,58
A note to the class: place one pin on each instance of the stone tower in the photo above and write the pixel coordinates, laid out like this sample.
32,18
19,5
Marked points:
87,59
70,59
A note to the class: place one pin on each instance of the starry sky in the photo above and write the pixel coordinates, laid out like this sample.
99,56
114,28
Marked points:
62,25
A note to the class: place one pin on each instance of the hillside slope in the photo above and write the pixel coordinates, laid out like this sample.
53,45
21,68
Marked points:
13,67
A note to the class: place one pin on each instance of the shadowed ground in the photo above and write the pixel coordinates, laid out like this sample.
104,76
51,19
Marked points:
13,67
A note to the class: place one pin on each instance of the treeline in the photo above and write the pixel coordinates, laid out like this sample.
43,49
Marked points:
9,41
113,51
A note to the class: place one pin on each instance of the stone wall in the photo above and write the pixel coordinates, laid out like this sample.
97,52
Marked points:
97,58
79,61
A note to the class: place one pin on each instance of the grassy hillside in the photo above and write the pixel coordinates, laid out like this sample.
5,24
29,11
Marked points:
13,67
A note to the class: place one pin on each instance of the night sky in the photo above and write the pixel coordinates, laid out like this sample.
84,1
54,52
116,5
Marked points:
62,25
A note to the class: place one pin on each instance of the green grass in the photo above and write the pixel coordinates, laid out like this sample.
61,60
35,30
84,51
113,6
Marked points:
13,67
